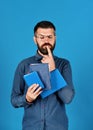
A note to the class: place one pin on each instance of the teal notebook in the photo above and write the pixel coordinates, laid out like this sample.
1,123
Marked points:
57,82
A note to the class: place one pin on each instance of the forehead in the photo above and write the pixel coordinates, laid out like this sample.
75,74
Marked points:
46,31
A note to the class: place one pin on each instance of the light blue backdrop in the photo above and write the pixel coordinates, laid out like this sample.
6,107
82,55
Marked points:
74,23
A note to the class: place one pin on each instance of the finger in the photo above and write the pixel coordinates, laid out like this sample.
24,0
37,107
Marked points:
41,54
44,56
44,61
49,51
38,90
33,87
39,93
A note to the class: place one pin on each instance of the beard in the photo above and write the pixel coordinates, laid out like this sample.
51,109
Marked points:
43,48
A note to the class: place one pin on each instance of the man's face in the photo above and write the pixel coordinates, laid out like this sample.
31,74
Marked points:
43,38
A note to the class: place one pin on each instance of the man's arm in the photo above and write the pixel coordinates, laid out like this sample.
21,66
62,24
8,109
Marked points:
18,91
67,93
21,94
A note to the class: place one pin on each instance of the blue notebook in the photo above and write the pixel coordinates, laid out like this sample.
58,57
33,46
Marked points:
33,78
43,72
57,82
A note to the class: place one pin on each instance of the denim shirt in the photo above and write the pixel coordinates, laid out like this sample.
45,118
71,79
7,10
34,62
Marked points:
48,113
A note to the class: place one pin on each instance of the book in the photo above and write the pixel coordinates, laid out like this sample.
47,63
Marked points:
56,79
43,72
57,82
33,78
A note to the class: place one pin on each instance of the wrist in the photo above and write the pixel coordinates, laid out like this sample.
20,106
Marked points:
52,68
29,99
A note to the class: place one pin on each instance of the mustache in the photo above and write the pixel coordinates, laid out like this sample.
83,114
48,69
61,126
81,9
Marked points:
46,44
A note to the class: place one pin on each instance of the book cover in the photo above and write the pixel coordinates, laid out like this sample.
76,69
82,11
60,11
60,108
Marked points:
44,74
57,82
33,78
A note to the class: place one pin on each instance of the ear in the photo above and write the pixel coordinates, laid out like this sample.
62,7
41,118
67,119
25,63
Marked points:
34,38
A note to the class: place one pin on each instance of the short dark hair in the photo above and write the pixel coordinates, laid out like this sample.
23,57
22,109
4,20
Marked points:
44,24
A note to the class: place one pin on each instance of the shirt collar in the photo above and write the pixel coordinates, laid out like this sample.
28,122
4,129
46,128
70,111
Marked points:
38,57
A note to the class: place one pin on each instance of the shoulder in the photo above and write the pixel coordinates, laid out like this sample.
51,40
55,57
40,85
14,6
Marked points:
61,60
62,64
23,64
26,60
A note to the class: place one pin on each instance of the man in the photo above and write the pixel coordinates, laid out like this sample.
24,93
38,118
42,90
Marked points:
48,113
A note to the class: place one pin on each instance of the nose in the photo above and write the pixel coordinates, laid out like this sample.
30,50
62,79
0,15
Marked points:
46,38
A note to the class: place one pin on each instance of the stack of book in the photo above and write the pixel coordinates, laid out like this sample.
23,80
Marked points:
49,81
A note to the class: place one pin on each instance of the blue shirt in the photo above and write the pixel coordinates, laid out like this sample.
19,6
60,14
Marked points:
48,113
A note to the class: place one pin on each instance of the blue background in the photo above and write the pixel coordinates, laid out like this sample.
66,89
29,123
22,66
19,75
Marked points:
74,22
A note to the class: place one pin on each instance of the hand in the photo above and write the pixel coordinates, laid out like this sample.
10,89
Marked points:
33,92
49,59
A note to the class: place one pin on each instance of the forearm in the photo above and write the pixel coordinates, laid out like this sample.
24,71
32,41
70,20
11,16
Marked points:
67,93
18,100
18,94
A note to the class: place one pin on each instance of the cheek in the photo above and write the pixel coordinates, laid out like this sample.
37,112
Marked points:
53,42
40,44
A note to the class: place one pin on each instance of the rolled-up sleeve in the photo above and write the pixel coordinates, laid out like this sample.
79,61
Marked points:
67,93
